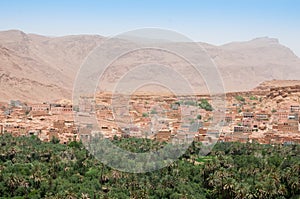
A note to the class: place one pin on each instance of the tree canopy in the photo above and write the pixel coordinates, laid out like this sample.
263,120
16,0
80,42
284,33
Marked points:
30,168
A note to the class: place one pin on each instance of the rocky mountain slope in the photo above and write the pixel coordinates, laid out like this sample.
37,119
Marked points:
244,65
40,68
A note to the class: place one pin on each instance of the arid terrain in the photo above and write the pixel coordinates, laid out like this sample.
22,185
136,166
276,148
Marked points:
37,68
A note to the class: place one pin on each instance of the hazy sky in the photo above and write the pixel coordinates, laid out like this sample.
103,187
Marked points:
211,21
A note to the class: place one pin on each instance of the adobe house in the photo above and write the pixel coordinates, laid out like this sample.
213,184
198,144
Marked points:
247,130
173,114
67,109
244,138
255,125
163,135
281,115
201,134
238,129
262,116
34,132
40,107
85,134
247,122
262,127
238,118
65,138
59,124
52,133
233,110
39,113
247,108
248,115
86,104
228,118
293,116
56,110
288,126
295,108
275,127
237,137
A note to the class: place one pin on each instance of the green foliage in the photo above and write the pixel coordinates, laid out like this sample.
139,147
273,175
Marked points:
253,98
145,115
204,104
199,117
116,137
178,103
190,103
30,168
54,140
192,121
75,144
240,98
153,111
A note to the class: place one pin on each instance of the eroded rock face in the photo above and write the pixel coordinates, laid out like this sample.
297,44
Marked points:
279,89
39,68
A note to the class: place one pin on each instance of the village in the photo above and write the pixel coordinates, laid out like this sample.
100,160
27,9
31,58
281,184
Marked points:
264,117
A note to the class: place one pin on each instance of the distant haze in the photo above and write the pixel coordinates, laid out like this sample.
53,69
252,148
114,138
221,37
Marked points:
39,68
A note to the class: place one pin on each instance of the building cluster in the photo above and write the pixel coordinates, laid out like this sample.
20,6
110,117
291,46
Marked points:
262,121
162,117
44,120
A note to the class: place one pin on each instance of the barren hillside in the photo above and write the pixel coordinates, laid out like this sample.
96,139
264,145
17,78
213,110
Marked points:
40,68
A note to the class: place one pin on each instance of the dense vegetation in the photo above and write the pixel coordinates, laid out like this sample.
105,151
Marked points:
204,104
30,168
240,98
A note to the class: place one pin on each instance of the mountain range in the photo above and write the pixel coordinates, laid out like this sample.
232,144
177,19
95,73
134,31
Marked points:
36,68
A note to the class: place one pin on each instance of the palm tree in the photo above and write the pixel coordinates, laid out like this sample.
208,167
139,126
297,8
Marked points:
13,183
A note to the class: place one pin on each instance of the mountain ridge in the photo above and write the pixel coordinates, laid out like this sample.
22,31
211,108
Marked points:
52,62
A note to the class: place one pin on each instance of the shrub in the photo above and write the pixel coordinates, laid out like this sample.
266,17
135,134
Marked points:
240,98
204,104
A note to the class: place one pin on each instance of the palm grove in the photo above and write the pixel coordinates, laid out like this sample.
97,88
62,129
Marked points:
30,168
